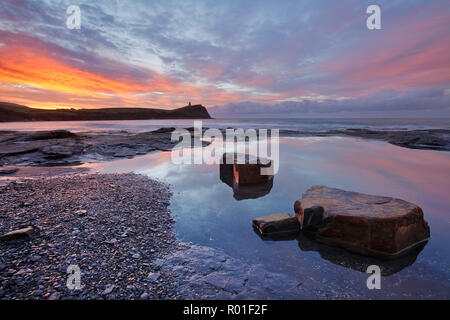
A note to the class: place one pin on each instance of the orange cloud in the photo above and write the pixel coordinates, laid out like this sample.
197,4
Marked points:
23,65
34,75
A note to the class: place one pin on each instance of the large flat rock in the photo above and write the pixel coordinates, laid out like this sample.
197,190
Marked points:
378,226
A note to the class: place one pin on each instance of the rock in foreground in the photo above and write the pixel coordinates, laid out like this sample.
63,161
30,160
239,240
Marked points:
276,225
378,226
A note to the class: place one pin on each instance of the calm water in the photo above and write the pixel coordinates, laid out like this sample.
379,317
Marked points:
207,213
287,124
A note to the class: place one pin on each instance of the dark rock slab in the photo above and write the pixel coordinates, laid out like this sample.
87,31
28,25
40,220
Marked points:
164,130
124,153
54,134
8,171
60,151
10,149
17,234
419,140
432,139
378,226
207,273
64,148
276,225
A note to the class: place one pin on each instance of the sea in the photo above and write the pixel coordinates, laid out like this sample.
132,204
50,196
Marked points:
257,123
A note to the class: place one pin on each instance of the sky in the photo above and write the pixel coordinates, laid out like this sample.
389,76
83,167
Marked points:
238,58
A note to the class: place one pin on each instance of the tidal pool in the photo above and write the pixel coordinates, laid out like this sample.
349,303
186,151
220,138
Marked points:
208,214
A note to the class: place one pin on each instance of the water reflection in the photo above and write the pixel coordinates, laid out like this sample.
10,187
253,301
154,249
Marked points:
344,258
240,191
358,262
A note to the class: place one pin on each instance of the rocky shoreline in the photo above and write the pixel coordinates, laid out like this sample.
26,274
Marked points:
118,229
112,226
64,148
432,139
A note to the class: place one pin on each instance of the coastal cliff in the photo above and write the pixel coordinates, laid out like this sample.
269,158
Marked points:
15,112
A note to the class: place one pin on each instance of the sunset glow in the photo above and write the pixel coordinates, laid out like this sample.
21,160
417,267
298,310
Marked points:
319,57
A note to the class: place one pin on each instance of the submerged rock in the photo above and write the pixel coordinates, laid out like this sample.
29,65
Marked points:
275,225
378,226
